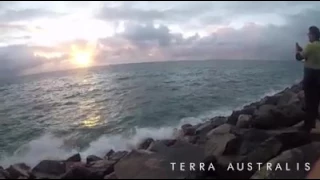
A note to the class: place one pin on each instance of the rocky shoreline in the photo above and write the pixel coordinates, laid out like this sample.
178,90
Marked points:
259,141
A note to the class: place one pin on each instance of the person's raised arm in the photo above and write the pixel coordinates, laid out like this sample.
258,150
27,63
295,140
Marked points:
302,53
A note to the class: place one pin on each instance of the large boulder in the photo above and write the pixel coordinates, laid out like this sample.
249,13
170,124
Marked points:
74,158
49,169
251,139
222,129
272,117
188,130
111,176
222,144
117,156
158,146
244,121
304,156
233,118
145,143
204,128
92,158
285,98
18,170
4,174
159,165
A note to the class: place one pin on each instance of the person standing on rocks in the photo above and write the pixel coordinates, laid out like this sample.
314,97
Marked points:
311,80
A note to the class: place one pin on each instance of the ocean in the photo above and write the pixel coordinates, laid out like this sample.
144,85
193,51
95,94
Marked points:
54,115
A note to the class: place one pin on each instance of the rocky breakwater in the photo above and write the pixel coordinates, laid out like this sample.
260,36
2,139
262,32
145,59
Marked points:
259,141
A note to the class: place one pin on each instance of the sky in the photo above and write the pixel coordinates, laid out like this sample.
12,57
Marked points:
49,36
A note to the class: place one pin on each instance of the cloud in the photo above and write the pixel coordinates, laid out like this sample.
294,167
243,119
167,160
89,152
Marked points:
233,30
25,14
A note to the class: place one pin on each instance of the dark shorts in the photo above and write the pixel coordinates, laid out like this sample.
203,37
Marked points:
311,87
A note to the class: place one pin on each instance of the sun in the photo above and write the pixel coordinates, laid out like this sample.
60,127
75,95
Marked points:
81,57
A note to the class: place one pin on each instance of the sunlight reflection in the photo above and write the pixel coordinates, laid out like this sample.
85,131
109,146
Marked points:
92,122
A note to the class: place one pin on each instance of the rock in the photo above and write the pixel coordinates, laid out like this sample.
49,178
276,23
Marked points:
207,126
108,154
251,139
80,172
49,169
117,156
145,144
18,170
291,140
92,158
111,176
70,165
271,100
22,177
188,130
158,146
233,118
157,165
223,129
305,154
74,158
4,174
271,117
168,142
285,98
243,121
189,139
221,144
102,167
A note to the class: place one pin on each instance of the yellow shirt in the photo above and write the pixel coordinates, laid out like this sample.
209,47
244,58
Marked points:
312,55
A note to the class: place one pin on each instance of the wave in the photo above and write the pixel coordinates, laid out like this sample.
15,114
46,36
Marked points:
50,147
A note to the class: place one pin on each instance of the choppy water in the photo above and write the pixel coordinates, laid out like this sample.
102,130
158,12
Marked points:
89,111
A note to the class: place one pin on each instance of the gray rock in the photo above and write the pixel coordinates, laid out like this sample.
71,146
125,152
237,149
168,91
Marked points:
244,121
305,154
271,100
49,169
208,126
220,144
168,142
145,143
158,146
271,117
4,174
109,153
188,130
18,170
92,158
74,158
111,176
157,165
252,139
117,156
233,118
223,129
102,167
285,98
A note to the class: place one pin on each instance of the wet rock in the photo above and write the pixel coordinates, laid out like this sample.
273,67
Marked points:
49,169
92,158
157,165
118,155
111,176
233,118
168,142
188,130
109,153
145,144
271,100
221,144
18,170
252,139
305,154
158,146
80,172
204,128
271,117
285,98
244,121
4,174
223,129
189,139
102,167
74,158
